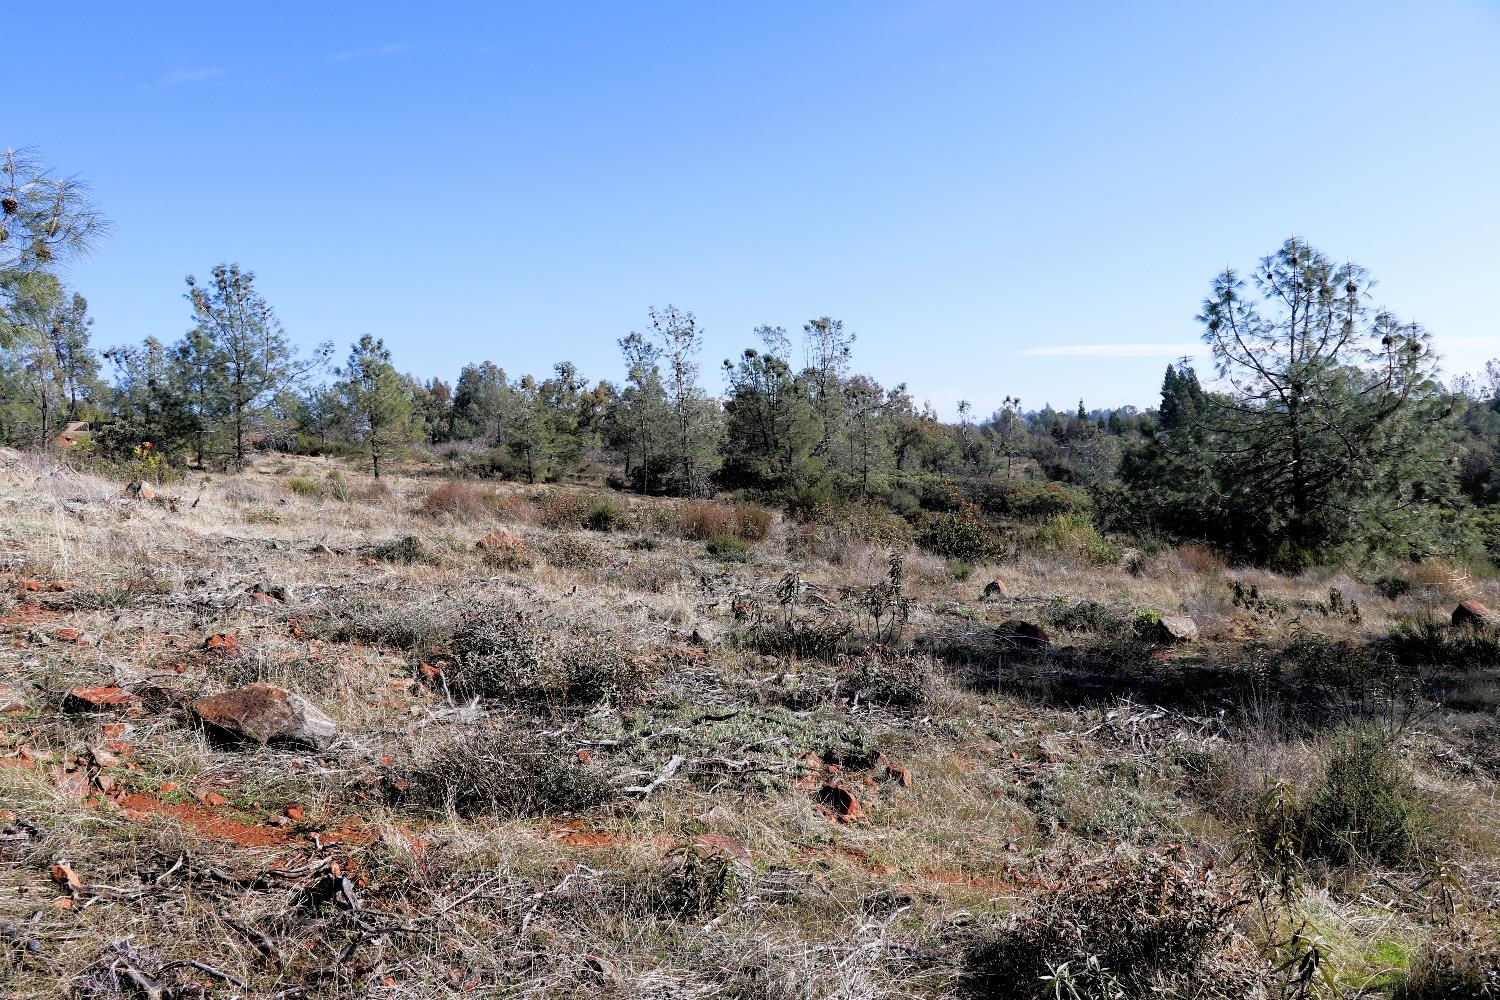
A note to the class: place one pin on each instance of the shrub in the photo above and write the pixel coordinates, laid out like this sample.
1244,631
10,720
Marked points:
406,551
306,487
1464,969
506,654
887,679
691,883
1087,616
409,627
706,521
1365,805
1071,535
457,499
1037,501
565,509
1122,928
961,534
493,772
603,515
573,552
728,548
1195,557
1435,644
499,654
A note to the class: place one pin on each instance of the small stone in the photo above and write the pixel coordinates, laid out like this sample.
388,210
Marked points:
264,713
101,699
227,646
1023,634
140,490
1472,612
900,775
996,590
1178,628
841,801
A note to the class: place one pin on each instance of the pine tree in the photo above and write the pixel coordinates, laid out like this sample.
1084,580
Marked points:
248,341
1334,427
829,349
44,220
377,401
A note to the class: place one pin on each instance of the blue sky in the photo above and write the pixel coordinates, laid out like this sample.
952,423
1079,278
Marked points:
1026,199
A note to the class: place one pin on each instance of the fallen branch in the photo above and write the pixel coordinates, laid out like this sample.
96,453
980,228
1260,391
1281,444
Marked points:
644,791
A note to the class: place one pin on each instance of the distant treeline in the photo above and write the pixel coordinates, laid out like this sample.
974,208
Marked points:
1325,435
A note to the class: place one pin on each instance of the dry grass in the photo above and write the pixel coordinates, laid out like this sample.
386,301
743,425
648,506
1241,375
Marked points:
541,842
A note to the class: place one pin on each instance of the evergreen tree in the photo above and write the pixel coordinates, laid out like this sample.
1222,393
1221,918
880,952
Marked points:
377,401
768,424
256,358
829,349
679,343
44,220
640,420
1334,428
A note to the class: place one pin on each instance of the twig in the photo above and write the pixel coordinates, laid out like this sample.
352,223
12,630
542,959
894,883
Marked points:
644,791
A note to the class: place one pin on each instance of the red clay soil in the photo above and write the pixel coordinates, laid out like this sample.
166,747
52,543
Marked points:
207,822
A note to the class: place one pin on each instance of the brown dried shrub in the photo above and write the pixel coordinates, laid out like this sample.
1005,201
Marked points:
457,499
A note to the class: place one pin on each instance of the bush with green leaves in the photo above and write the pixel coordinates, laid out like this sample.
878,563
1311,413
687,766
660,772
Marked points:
1366,804
962,534
691,883
1071,535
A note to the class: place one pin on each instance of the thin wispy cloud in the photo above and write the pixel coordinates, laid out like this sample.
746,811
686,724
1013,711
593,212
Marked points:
376,52
1110,351
184,76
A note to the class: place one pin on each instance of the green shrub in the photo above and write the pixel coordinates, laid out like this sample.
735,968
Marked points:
306,487
1070,535
1365,804
603,515
1040,501
691,883
961,534
728,548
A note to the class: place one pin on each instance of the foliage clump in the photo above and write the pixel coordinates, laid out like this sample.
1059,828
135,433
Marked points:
1120,928
474,771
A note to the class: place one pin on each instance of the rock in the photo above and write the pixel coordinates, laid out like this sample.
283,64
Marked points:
1178,628
841,801
101,699
900,775
11,702
227,646
263,713
1023,634
140,490
996,590
1472,612
269,592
